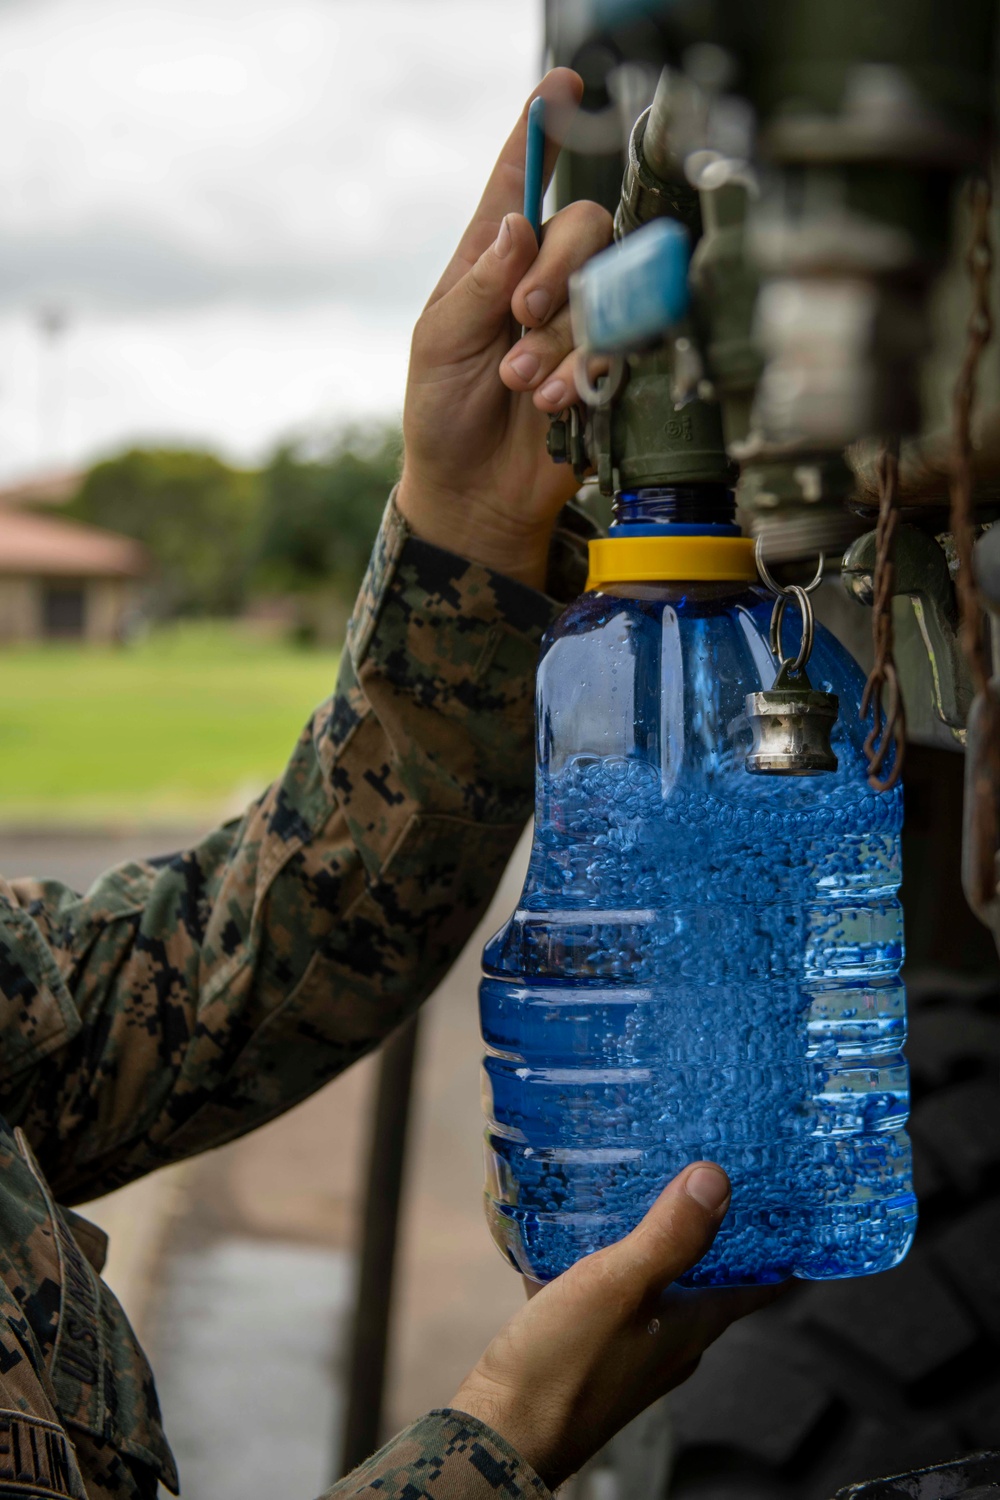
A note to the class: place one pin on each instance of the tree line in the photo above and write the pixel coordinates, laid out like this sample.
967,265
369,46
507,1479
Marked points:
220,536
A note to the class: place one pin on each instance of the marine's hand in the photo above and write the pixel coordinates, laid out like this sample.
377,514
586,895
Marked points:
476,477
595,1347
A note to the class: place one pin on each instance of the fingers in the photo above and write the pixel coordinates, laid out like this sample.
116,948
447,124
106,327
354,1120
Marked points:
599,1343
542,360
477,308
562,90
569,239
536,357
512,274
555,385
680,1226
628,1279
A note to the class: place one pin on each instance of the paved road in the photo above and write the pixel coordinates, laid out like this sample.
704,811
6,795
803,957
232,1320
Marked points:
250,1247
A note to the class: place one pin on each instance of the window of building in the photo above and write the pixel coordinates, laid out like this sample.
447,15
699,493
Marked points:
64,610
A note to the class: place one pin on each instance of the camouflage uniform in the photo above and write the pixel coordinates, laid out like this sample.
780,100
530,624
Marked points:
183,1001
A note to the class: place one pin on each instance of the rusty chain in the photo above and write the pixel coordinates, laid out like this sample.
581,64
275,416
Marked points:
980,326
882,691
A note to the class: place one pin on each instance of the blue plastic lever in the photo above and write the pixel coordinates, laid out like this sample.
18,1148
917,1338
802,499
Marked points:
534,164
632,294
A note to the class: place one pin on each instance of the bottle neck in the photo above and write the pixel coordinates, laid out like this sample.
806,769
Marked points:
675,510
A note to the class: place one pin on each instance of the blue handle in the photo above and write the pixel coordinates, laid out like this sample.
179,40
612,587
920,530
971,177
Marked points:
632,294
534,164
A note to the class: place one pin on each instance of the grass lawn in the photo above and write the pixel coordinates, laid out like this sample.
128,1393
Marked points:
184,726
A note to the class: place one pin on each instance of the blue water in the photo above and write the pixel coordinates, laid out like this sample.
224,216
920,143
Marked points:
703,963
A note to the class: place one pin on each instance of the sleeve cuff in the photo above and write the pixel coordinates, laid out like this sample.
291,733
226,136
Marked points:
443,652
446,1455
468,590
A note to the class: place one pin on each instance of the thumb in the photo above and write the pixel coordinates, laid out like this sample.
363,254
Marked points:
680,1226
477,308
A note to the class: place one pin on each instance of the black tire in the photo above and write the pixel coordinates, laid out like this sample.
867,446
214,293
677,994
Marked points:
848,1380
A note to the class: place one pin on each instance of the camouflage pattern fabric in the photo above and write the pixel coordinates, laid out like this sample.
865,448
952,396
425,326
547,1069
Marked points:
447,1455
183,1001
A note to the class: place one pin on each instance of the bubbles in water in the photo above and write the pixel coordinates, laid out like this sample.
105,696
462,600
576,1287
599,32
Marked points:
707,970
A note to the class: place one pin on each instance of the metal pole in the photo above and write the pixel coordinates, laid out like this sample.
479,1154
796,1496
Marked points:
365,1373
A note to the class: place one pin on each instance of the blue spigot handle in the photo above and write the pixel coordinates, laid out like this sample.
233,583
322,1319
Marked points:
534,163
633,293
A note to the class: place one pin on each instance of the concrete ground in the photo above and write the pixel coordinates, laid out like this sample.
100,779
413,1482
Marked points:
237,1268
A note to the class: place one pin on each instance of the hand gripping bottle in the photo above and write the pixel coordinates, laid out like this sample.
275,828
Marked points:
703,962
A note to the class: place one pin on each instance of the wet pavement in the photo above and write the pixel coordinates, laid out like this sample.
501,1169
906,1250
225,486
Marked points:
248,1352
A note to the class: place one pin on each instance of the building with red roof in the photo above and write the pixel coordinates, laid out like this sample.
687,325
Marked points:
61,579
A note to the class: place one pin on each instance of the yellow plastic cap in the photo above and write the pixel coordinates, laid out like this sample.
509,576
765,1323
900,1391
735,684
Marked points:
671,559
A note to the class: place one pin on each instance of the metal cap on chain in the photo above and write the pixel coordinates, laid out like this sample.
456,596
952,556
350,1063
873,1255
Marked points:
791,721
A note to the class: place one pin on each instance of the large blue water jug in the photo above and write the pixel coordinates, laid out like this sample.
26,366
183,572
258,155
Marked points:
703,963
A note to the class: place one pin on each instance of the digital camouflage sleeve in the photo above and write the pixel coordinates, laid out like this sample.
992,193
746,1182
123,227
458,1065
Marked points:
183,1001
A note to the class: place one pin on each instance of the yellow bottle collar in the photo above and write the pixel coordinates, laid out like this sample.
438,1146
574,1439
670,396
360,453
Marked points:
671,559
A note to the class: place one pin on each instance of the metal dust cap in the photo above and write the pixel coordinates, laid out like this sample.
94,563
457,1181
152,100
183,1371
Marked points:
792,723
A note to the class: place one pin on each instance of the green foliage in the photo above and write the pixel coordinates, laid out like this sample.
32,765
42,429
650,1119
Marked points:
218,535
196,514
320,512
185,725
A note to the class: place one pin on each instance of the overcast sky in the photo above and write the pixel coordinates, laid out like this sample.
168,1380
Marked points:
239,207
